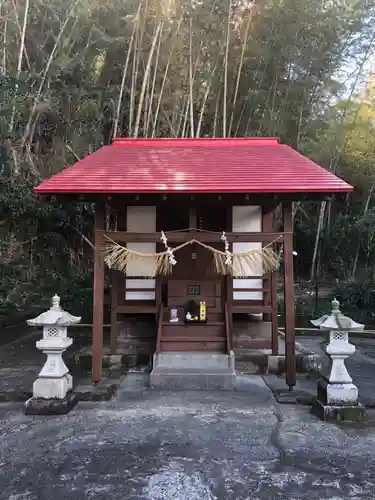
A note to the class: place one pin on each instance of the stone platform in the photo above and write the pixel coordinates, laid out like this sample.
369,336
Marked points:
339,413
193,370
51,406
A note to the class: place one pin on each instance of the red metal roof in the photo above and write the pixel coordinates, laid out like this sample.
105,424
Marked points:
251,165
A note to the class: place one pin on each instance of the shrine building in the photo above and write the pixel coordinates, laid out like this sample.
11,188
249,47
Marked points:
186,230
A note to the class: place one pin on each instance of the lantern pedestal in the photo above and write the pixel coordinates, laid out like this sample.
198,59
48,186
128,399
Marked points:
52,390
44,406
338,402
337,396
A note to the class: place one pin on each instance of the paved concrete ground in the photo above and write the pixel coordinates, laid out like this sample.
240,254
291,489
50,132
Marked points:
152,445
149,445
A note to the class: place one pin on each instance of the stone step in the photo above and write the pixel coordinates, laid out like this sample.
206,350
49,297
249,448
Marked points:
193,371
185,379
194,360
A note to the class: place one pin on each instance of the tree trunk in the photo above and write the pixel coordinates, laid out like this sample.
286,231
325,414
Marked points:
317,239
365,210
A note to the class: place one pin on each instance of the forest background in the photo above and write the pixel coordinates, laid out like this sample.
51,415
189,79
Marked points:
75,74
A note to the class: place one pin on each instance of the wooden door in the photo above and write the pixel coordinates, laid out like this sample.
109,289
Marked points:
194,278
195,268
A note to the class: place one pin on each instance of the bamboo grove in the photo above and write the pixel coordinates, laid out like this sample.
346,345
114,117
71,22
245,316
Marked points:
77,73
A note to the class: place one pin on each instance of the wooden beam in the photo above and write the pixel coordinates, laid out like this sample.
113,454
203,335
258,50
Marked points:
124,237
290,344
98,300
183,198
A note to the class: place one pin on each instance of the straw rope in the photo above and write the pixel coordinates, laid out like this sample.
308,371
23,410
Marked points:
240,265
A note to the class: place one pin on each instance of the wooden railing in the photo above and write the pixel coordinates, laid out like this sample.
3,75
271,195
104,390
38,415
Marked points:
160,327
228,331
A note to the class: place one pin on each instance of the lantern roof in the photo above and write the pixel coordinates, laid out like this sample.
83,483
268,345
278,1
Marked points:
54,316
336,320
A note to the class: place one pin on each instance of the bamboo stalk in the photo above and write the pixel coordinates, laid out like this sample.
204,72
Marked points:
4,58
173,131
207,91
239,71
226,71
163,82
191,105
216,114
365,210
146,102
185,118
147,71
152,93
124,72
317,239
19,62
44,76
181,117
20,31
137,45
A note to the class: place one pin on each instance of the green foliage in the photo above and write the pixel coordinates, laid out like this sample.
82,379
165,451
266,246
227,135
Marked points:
40,252
358,299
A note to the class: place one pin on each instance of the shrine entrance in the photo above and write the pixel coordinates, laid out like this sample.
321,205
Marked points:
194,288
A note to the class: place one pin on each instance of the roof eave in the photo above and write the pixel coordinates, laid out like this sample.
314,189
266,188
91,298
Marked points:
339,190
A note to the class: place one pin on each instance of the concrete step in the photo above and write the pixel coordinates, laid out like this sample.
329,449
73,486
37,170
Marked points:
188,380
194,360
193,371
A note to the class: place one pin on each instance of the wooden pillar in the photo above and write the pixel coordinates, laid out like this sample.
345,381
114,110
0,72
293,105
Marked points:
274,318
267,226
270,283
117,282
98,301
229,278
160,281
192,227
192,216
115,289
290,345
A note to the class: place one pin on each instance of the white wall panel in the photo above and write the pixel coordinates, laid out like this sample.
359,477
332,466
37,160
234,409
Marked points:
140,220
247,219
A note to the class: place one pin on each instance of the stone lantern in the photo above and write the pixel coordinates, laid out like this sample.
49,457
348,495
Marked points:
337,396
52,389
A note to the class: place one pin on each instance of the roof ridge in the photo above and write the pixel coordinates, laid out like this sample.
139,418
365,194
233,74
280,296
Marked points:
196,141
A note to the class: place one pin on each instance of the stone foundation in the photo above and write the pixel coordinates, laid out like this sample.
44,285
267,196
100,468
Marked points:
53,406
251,362
137,336
247,362
251,334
